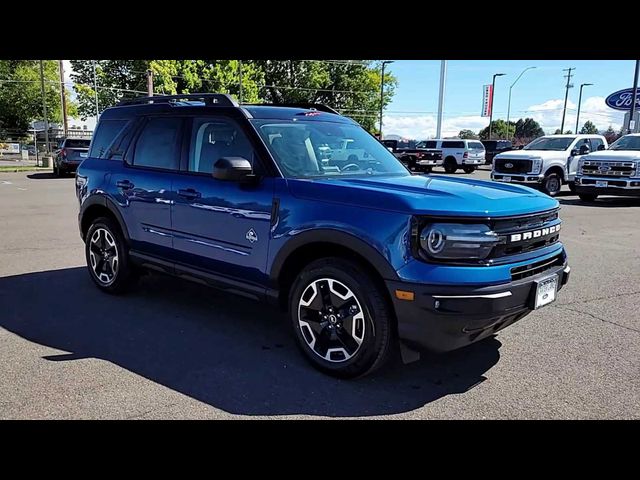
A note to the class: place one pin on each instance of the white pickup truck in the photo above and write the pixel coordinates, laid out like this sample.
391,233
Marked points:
548,162
615,171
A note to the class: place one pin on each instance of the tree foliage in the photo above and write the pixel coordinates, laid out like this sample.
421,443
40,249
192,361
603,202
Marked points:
528,129
499,129
352,89
589,128
467,134
21,96
610,134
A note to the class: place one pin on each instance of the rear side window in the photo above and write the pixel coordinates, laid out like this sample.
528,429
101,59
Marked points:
157,145
452,144
429,144
596,143
105,134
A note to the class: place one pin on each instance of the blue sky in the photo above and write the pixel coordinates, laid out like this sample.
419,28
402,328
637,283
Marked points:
539,93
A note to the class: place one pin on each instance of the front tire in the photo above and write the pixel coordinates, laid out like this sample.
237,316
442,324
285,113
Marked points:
341,318
552,184
588,197
107,257
450,165
469,169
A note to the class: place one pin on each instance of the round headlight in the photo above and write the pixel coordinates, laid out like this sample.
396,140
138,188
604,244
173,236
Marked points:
434,241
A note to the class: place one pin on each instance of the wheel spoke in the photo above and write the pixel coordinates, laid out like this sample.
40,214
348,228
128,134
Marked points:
323,342
325,293
347,341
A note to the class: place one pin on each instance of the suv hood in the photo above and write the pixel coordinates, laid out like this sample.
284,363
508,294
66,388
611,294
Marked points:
425,195
614,155
527,154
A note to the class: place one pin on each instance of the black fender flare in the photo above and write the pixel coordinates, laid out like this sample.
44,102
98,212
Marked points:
109,204
327,235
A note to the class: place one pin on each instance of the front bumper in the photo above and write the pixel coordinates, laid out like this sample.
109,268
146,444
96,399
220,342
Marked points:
615,186
531,178
444,318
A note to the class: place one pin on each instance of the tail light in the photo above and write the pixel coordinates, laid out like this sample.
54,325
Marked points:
465,155
63,152
419,155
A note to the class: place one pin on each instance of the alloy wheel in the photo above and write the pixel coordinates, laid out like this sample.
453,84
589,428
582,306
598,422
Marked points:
331,320
103,255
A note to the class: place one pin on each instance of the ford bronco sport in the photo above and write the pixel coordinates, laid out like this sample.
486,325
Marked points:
362,255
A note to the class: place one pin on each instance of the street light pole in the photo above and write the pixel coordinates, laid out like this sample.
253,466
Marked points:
63,100
493,91
509,104
579,102
240,80
95,87
384,63
443,81
44,109
633,99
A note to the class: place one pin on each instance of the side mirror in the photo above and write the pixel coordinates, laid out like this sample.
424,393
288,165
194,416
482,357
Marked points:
390,149
585,149
574,152
234,169
601,147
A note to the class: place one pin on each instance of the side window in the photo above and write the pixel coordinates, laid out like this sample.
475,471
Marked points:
430,144
595,143
157,145
105,134
214,138
451,144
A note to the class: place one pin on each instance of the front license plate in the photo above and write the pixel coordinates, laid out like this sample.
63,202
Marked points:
506,179
601,183
546,291
84,155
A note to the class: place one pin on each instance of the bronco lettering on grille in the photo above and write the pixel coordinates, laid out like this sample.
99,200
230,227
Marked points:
542,232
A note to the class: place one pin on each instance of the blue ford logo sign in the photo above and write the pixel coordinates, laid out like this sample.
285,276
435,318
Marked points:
621,100
508,165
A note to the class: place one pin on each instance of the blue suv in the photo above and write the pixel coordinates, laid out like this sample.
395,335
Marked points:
301,207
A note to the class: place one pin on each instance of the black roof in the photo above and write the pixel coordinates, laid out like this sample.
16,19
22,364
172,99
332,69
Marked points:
220,103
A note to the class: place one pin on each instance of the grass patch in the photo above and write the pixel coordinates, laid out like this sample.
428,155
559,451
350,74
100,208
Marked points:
23,168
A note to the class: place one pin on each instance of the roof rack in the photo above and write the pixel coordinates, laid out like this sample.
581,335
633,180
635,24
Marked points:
310,106
217,99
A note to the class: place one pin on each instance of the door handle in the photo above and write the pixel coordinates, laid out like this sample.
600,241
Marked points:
189,194
124,184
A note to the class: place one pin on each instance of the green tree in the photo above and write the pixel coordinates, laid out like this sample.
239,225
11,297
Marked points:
610,134
21,95
499,129
351,88
589,128
467,134
559,132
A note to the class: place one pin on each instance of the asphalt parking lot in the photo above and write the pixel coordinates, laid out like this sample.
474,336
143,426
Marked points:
172,349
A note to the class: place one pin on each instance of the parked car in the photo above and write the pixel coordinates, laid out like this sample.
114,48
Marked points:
360,256
494,147
418,159
615,171
70,152
547,163
457,153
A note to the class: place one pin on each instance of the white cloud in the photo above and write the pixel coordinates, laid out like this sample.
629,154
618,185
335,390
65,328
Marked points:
548,114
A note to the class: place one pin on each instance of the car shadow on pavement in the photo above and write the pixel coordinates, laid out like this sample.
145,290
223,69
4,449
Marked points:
603,202
233,354
46,176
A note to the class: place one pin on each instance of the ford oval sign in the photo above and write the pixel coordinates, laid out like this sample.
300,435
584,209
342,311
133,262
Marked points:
621,100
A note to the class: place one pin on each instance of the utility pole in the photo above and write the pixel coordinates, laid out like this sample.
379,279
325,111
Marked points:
566,96
443,81
150,82
579,103
384,63
44,109
95,88
632,112
63,100
240,80
493,94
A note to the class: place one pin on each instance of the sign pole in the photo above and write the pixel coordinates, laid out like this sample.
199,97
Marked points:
633,100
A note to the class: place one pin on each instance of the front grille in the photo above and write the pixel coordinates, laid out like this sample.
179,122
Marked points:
611,183
508,165
518,273
598,168
534,231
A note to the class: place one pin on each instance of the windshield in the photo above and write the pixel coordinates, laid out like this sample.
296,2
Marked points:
475,146
626,143
323,149
550,143
77,143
